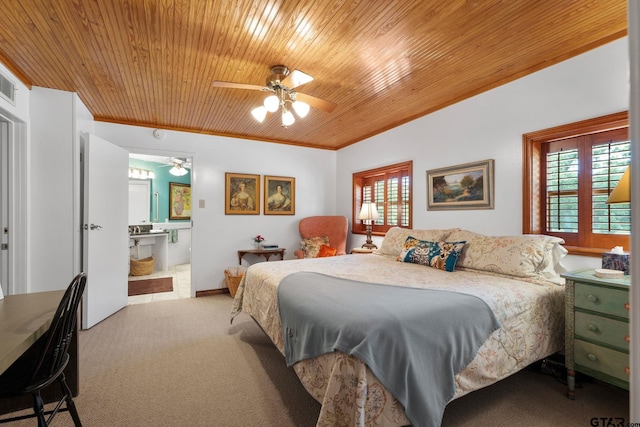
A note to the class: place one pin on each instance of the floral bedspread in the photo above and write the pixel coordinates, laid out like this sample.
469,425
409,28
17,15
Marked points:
530,312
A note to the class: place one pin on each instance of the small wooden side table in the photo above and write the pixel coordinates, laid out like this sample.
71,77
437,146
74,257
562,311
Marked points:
266,253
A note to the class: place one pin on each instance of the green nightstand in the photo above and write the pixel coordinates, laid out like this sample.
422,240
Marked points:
596,328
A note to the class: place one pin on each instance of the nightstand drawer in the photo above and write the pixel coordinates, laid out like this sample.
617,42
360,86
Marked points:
602,329
604,360
602,300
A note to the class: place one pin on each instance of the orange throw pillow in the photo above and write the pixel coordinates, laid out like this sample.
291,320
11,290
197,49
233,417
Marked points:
326,251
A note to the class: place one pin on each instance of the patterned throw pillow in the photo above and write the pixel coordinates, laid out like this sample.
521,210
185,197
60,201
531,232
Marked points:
326,251
311,246
440,255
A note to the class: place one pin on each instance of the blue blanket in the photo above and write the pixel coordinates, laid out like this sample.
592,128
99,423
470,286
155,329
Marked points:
414,340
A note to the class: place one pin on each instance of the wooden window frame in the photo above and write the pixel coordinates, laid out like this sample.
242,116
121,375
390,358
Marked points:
533,203
359,178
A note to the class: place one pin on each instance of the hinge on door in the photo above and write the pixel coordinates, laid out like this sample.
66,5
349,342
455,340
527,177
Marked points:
4,247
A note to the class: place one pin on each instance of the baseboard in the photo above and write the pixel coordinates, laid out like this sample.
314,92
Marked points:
210,292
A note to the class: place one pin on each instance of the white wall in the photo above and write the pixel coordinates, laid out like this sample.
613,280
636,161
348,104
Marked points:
490,126
216,237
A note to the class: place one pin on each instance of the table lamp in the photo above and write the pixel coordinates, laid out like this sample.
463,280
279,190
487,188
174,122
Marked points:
622,192
368,214
617,259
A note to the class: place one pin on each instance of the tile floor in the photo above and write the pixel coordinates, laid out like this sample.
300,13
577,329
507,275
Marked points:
181,285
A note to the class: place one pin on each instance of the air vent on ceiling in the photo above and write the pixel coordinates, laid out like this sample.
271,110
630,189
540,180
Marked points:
7,90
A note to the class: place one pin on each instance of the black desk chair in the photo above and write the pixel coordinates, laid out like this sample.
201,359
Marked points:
29,375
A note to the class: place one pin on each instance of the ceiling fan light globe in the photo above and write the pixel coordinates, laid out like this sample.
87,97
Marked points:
271,103
259,113
301,109
178,171
287,118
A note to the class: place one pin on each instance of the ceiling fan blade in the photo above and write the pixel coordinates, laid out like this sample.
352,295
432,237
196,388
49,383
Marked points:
318,103
296,78
218,83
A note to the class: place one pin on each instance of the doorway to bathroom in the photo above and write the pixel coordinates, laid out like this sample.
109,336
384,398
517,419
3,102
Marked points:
159,228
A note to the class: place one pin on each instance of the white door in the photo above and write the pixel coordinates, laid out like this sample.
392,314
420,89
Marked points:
105,235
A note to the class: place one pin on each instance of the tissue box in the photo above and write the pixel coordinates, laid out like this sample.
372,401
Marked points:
618,262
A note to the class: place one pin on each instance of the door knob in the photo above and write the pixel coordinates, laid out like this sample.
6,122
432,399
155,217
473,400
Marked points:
95,227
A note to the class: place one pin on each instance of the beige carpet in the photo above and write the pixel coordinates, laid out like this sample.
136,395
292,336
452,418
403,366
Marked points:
180,363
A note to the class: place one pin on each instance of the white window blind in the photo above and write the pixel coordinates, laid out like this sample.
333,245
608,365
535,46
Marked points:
562,191
608,163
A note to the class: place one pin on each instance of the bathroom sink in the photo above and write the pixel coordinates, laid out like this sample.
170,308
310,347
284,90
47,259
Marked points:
157,231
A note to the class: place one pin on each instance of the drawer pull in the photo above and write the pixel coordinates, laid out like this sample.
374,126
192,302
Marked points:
592,357
627,307
627,338
627,370
592,327
592,298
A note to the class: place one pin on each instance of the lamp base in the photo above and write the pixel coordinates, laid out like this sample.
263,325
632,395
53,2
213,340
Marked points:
369,243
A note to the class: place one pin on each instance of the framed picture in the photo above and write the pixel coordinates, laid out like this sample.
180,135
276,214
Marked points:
467,186
279,195
242,194
179,201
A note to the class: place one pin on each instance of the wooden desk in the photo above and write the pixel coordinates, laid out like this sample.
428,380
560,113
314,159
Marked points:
24,319
266,253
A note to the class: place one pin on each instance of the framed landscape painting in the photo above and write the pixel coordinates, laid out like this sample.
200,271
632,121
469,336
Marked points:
466,186
242,194
279,195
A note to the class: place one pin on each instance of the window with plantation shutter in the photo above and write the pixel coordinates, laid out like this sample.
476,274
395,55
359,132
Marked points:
389,188
569,173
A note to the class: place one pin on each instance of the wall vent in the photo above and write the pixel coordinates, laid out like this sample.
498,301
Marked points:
7,90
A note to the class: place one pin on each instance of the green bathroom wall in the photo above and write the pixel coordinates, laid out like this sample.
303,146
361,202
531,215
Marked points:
160,184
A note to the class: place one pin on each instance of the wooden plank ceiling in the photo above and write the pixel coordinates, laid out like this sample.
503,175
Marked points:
384,63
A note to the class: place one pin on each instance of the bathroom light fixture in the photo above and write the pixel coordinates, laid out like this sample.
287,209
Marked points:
368,214
136,173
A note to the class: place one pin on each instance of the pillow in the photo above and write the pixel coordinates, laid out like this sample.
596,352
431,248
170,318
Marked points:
326,251
311,246
394,239
529,255
440,255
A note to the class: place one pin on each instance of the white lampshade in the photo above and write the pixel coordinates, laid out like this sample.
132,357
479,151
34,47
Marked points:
259,113
178,171
271,103
287,118
622,192
301,108
368,212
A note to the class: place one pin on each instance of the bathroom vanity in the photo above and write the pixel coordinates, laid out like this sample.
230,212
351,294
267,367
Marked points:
152,242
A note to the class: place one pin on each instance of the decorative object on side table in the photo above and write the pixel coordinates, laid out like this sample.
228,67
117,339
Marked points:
597,328
368,214
258,241
362,251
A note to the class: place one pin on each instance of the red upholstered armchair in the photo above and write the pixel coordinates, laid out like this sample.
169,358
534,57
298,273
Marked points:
334,227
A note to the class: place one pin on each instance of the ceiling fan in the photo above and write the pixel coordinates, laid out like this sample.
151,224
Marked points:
178,166
281,83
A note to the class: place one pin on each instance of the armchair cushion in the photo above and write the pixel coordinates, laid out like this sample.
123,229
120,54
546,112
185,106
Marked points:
311,246
326,251
335,227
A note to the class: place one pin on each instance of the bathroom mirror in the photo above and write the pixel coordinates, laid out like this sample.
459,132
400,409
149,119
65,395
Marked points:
139,198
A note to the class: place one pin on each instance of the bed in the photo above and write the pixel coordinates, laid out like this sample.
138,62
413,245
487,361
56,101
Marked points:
516,276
